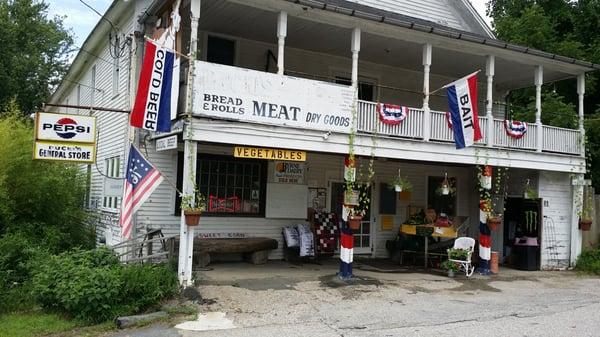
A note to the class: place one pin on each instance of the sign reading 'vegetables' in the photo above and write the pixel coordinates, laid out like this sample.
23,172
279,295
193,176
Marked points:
266,98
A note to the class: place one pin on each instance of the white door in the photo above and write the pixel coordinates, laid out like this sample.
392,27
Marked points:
362,236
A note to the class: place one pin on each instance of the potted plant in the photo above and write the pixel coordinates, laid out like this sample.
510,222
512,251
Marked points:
494,220
401,184
192,206
446,187
358,212
458,254
529,192
450,267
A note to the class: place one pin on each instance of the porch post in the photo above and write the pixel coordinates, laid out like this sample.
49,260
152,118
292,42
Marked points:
539,79
281,34
489,72
186,233
427,50
355,48
580,95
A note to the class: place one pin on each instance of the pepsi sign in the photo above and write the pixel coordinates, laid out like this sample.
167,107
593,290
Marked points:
65,128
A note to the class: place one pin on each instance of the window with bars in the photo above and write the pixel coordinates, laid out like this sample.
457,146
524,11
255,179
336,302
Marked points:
112,167
232,186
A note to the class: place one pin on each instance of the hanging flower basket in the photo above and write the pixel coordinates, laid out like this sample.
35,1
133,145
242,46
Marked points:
585,225
192,218
354,221
494,222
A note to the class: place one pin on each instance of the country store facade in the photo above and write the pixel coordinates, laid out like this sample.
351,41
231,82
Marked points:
277,88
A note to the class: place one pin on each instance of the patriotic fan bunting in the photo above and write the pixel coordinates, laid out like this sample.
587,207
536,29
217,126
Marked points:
391,114
515,129
449,120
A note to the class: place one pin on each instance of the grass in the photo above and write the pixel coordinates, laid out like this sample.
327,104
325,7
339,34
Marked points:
589,262
36,323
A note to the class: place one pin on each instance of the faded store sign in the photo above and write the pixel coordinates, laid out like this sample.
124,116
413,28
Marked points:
266,98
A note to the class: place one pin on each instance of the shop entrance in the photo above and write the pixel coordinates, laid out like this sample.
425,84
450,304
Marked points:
522,233
362,236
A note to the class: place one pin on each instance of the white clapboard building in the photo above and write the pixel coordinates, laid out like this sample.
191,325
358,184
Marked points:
271,75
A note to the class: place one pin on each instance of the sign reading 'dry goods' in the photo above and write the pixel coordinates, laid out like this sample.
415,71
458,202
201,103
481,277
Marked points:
65,127
80,153
266,98
271,154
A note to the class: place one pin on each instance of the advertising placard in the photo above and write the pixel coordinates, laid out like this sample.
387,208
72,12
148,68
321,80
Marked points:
261,97
65,128
270,154
60,151
289,173
167,143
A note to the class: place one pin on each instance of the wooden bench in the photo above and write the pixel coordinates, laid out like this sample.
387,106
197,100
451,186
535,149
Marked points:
254,250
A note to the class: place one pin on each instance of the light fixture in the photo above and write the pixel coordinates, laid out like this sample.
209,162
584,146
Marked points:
326,135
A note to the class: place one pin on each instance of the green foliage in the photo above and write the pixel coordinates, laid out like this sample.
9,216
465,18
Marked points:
18,256
93,286
458,254
34,324
570,28
449,265
589,261
44,200
34,53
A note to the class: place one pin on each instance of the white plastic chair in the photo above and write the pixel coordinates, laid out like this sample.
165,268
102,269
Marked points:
467,244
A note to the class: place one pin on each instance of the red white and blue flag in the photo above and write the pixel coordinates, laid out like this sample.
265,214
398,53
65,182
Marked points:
515,129
158,90
140,181
391,114
462,99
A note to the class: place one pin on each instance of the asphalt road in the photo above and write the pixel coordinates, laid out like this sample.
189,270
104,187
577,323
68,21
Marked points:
537,304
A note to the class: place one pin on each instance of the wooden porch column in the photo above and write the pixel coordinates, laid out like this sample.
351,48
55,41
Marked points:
427,50
186,233
489,72
580,96
281,34
539,79
355,48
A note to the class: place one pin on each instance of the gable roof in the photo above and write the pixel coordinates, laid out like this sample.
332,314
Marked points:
454,14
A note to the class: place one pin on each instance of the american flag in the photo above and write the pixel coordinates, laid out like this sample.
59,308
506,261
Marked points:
141,180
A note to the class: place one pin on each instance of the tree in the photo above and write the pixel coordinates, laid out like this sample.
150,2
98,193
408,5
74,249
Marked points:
34,53
564,27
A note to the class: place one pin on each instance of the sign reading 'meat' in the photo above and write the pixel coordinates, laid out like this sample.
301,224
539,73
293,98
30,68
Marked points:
260,97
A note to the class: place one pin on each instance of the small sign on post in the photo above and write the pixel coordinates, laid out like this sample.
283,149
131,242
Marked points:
167,143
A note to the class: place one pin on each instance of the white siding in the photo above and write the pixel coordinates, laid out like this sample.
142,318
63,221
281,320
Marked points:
111,126
555,190
448,13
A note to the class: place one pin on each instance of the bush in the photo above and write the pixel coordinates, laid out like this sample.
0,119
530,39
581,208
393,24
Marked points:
93,286
18,256
589,261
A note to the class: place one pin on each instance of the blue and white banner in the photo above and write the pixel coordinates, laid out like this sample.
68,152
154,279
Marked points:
462,99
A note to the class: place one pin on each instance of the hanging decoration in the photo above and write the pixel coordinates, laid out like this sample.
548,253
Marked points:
515,129
449,120
391,114
349,169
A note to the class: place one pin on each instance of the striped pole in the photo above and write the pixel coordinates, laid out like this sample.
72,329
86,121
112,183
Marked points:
346,249
485,238
346,234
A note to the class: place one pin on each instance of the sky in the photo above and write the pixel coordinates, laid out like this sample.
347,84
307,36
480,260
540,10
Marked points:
81,20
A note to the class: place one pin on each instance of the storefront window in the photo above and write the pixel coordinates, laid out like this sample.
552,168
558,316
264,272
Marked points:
232,186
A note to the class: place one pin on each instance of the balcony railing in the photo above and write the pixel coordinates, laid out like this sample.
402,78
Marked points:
554,139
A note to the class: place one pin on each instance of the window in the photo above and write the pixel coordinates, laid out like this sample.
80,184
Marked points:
438,201
232,186
220,50
115,77
366,90
112,167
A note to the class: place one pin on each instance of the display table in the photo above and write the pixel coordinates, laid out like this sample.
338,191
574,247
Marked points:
429,230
